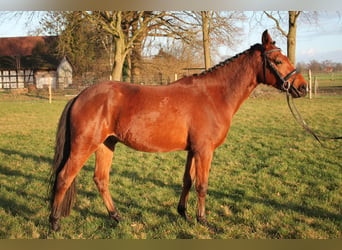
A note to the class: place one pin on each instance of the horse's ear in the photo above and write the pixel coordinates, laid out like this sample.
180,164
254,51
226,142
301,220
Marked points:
266,39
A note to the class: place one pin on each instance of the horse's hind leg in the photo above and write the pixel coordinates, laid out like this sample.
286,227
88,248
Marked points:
65,191
104,156
189,175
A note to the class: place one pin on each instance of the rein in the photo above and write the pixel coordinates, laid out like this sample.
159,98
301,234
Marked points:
299,119
286,86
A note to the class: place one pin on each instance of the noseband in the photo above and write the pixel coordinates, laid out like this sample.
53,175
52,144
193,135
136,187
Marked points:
285,85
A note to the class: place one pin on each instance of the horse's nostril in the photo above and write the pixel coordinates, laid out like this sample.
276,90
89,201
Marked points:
302,89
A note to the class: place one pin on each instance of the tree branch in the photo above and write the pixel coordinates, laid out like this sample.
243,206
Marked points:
277,23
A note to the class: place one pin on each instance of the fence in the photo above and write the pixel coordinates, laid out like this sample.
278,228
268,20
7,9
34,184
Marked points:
327,83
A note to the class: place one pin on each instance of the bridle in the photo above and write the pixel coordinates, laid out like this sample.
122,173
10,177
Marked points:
284,83
286,86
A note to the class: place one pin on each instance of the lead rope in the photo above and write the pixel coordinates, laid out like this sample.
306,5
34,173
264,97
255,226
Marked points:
299,119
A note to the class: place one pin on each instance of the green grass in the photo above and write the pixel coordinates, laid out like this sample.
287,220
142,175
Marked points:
268,180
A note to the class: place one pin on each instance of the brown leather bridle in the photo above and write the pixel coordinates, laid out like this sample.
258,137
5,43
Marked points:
283,82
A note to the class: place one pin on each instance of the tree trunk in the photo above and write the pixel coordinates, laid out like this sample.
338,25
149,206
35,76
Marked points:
136,59
119,58
206,39
127,71
117,70
291,36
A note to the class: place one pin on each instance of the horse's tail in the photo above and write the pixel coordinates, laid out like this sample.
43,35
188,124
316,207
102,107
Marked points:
62,152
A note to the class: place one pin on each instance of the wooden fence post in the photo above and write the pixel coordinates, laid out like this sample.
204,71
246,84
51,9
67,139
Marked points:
310,84
50,93
315,85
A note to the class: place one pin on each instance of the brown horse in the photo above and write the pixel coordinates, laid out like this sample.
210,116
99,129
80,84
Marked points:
192,114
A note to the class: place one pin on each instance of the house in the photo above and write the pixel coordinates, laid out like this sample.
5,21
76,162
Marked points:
32,60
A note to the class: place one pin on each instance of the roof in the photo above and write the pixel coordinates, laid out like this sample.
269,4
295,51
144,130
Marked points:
32,52
24,46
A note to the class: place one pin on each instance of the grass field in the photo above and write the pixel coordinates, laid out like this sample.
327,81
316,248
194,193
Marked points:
268,180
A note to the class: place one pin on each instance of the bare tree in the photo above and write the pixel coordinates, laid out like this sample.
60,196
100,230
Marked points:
217,28
291,32
173,26
168,25
201,29
119,25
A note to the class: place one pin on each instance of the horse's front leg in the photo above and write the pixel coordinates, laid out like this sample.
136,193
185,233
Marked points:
203,160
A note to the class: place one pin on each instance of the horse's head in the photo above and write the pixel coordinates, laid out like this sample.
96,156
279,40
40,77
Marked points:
278,71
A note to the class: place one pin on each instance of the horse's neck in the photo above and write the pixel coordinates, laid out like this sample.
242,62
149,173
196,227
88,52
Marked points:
235,81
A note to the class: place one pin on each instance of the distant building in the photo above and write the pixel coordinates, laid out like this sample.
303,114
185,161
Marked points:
28,61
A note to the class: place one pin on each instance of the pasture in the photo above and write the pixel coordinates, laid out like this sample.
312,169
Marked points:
269,180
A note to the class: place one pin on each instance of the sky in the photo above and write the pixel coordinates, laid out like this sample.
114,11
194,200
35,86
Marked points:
316,40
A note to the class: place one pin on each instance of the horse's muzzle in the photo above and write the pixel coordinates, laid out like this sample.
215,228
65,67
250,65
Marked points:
298,92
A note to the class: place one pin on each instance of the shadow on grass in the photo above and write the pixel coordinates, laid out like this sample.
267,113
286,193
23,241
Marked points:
38,96
13,200
36,158
125,200
125,209
14,208
237,195
6,170
299,208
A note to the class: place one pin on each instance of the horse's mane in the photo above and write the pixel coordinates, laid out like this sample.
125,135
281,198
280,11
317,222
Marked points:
229,60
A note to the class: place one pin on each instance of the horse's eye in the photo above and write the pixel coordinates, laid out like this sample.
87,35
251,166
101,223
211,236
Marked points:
277,62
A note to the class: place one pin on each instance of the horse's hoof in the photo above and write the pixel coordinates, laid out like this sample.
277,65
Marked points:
116,216
203,221
182,212
55,226
187,218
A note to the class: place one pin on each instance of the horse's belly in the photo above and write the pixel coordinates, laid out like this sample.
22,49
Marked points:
155,141
155,132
